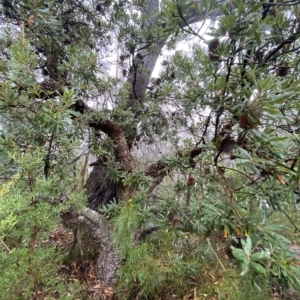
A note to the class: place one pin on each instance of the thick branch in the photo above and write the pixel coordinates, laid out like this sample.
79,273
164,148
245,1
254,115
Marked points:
140,77
113,131
141,235
292,38
283,4
158,171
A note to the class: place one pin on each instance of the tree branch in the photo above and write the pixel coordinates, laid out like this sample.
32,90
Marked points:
113,131
292,38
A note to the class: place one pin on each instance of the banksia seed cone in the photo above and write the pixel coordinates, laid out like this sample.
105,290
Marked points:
228,144
180,154
175,222
191,181
283,70
250,119
212,50
31,20
259,55
272,13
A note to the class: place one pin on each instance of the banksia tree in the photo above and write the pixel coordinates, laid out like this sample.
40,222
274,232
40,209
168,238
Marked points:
224,109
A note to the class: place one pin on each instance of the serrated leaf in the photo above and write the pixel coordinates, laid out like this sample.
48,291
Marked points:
228,22
260,255
248,245
245,268
239,254
275,227
257,267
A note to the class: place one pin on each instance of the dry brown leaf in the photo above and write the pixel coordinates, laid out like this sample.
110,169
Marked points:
280,178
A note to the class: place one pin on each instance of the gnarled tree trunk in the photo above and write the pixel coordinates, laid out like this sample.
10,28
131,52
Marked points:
108,262
100,189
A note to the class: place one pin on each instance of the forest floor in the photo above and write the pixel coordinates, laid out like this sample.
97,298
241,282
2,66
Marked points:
296,249
81,269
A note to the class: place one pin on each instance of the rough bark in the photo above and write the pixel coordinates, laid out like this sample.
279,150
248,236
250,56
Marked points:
99,187
108,262
146,58
100,192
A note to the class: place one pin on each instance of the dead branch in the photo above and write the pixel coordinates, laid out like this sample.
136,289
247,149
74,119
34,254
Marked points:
140,235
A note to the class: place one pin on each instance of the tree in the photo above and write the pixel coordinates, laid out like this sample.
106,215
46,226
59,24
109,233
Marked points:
232,97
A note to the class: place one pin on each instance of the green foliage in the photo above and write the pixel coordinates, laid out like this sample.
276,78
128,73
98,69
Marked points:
224,112
237,287
30,209
36,186
148,272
